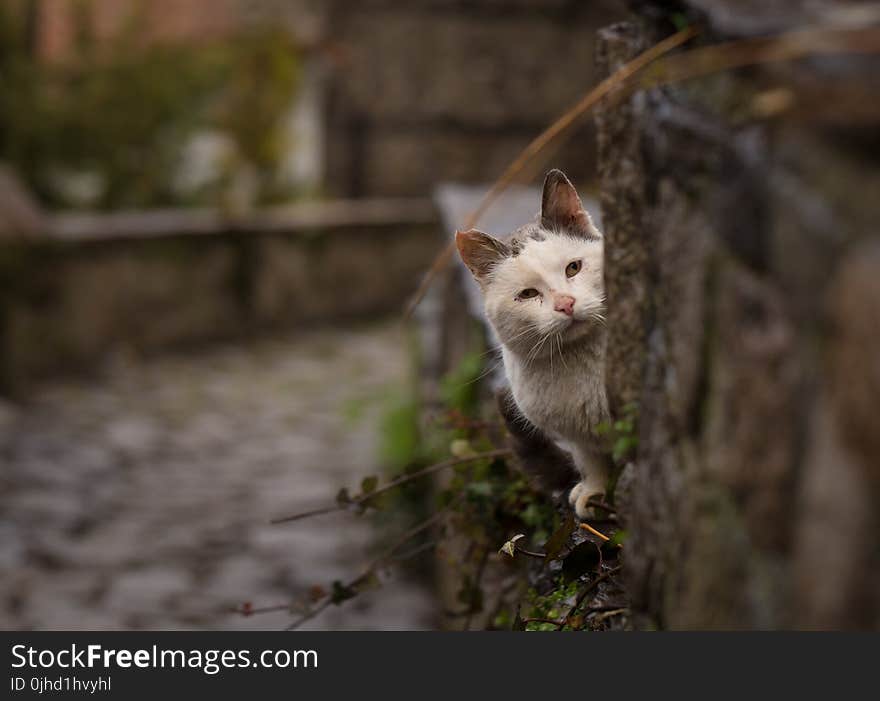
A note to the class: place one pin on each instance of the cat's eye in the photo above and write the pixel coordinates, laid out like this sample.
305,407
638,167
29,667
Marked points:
572,268
528,293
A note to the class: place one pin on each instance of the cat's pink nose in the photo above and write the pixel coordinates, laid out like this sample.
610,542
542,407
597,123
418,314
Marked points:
564,304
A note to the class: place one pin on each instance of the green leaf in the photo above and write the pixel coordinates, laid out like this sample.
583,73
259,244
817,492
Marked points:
679,20
399,432
341,593
619,538
459,388
502,620
556,542
369,484
479,489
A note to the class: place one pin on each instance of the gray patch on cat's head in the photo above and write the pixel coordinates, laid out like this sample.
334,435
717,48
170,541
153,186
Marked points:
520,238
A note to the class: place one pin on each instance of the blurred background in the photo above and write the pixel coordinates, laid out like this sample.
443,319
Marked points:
213,213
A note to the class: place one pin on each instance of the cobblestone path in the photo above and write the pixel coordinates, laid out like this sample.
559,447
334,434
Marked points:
140,500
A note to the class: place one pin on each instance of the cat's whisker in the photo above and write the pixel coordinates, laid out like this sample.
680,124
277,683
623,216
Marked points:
536,349
495,349
561,354
533,352
528,358
486,372
530,329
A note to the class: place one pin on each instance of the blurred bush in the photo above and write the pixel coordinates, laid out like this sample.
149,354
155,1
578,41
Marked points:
111,128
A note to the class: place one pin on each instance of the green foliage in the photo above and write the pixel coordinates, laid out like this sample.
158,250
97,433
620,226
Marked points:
499,501
619,538
400,444
369,484
341,593
621,436
551,605
123,113
258,92
459,389
679,20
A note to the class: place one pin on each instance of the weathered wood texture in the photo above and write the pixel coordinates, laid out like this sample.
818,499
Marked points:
742,270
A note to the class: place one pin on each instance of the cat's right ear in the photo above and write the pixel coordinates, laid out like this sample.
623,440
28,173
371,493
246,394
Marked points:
480,252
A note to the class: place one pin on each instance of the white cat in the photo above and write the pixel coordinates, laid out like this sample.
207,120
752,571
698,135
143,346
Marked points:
544,297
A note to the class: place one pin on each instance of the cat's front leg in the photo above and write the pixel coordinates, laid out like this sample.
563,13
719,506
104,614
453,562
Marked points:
594,478
550,466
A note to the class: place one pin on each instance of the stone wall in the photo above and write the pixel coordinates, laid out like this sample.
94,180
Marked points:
428,91
742,261
71,301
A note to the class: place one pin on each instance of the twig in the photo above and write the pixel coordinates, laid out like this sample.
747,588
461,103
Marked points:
688,64
386,557
245,610
799,43
412,533
552,621
607,611
613,608
583,105
583,595
481,569
610,612
418,550
309,615
588,527
364,498
601,505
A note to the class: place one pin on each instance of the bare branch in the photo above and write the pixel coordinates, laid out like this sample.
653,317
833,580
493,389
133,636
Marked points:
583,595
387,557
405,479
564,122
688,64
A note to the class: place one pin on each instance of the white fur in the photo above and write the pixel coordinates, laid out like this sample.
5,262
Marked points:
555,362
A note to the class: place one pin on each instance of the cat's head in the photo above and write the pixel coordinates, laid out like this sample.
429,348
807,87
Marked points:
545,279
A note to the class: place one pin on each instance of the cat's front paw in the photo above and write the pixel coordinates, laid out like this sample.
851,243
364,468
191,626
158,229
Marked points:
581,494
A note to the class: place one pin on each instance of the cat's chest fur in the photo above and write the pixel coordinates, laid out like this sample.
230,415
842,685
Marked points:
565,398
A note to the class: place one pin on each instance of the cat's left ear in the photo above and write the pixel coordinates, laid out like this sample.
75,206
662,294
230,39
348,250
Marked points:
561,208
